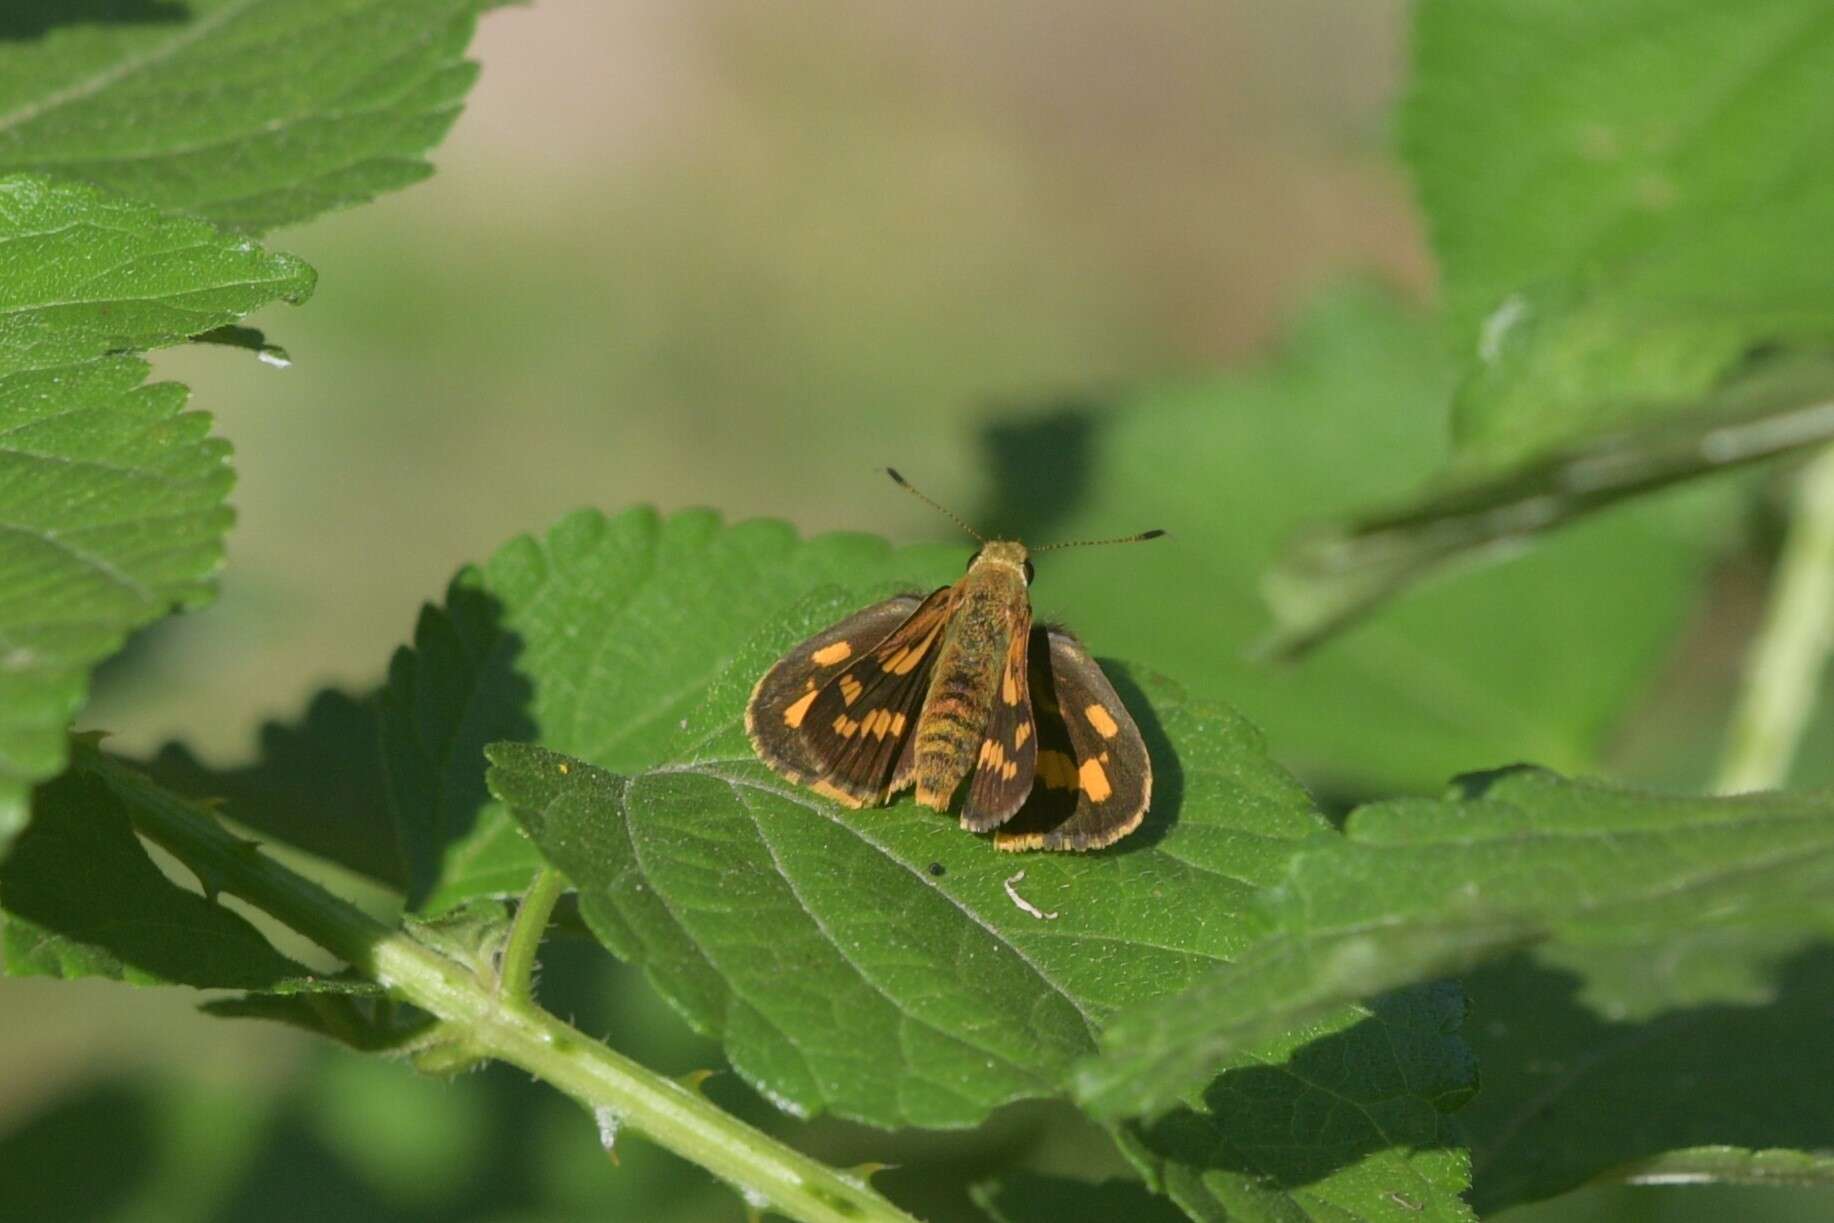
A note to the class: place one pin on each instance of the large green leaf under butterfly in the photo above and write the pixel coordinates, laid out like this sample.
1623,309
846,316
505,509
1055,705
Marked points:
872,963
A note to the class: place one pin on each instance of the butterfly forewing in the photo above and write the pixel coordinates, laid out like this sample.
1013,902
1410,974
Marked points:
1093,776
780,701
855,729
1009,748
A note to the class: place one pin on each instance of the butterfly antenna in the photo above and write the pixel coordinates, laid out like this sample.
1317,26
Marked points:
951,515
1091,543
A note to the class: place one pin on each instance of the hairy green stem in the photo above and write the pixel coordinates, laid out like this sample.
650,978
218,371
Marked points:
619,1092
516,975
1789,656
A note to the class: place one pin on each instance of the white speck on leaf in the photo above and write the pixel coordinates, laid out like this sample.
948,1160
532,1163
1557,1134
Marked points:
1023,903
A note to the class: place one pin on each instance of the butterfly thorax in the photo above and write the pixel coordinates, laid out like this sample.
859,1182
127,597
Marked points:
991,607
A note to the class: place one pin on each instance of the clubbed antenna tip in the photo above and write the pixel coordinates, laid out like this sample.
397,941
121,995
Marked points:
1155,533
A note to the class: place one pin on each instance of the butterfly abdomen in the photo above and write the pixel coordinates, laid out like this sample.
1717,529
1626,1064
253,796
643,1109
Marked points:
965,682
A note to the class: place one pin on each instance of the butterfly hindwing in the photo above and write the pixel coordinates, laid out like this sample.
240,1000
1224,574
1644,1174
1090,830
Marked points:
780,701
1009,748
860,721
1093,776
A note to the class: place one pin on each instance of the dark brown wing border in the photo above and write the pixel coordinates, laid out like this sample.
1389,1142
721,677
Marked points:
1094,779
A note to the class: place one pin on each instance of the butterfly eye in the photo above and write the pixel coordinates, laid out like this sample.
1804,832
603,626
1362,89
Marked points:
1028,573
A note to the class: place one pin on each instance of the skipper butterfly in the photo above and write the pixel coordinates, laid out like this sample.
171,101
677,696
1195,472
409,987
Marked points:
961,686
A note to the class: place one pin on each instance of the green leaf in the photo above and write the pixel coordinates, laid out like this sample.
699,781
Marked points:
252,113
1732,1166
85,274
111,495
80,898
1337,573
1027,1197
841,969
355,1013
1419,889
1612,1076
596,640
1537,657
1625,199
507,656
1372,1094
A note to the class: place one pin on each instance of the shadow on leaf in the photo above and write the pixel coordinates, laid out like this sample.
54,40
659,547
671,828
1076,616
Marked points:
34,20
316,784
1569,1095
386,784
1384,1083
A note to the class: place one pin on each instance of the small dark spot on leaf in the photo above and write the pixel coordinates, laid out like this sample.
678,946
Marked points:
936,869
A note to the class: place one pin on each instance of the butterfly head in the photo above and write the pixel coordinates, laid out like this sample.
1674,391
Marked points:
1003,554
1007,553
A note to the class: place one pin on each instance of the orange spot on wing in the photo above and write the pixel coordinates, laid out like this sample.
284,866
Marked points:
850,689
828,655
1094,781
1102,720
844,726
1022,734
905,660
1009,688
794,714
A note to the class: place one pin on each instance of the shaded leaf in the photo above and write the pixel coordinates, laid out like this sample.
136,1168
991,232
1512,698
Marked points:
250,339
80,898
1371,1093
1027,1197
1419,889
316,784
355,1013
842,967
111,495
1537,657
252,113
1578,1087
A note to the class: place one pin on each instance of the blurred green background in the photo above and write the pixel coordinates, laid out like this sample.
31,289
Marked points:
710,254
